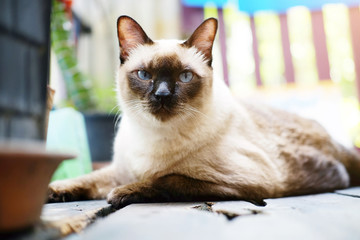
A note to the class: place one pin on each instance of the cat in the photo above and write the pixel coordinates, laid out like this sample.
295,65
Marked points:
184,137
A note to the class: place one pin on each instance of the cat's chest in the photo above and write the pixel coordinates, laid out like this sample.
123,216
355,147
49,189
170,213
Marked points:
139,155
142,161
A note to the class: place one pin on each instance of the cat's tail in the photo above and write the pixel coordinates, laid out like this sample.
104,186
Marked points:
351,159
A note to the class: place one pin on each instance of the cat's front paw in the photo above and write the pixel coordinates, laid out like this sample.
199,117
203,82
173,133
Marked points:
122,196
63,192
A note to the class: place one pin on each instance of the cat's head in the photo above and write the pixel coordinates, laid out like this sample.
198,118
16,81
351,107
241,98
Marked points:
164,79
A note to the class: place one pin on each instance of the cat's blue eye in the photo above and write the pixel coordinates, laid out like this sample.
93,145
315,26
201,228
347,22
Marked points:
186,77
143,75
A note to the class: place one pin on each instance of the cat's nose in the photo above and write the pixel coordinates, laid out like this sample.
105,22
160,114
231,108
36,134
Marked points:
163,91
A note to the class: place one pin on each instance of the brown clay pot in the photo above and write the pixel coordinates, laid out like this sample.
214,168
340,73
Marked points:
25,172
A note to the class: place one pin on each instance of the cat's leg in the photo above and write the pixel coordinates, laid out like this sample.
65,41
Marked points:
311,171
95,185
180,188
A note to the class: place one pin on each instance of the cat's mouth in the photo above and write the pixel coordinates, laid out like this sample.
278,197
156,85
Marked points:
162,109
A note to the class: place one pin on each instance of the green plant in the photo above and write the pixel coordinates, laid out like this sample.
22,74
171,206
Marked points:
79,87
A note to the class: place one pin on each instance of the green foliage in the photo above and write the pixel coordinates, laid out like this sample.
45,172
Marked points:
106,100
78,85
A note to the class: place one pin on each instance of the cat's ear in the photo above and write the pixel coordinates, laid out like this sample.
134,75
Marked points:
203,38
130,35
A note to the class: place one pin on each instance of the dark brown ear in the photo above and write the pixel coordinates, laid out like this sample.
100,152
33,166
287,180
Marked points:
203,38
130,35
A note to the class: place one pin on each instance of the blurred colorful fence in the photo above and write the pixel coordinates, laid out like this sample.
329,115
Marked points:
292,45
279,6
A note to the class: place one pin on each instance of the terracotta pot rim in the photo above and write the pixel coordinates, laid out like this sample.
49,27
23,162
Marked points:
34,150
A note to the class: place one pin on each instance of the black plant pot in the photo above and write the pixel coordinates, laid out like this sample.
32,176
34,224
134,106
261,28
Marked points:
101,130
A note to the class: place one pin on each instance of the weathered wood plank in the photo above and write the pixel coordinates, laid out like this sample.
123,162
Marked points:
157,221
355,191
321,216
72,217
58,211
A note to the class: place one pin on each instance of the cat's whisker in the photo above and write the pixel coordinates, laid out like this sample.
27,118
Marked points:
117,114
184,114
115,107
198,111
118,117
193,111
187,114
133,102
138,108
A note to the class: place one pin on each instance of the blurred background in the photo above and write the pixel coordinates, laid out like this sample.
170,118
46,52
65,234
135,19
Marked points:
302,56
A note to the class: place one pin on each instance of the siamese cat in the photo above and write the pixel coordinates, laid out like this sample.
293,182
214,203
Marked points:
183,137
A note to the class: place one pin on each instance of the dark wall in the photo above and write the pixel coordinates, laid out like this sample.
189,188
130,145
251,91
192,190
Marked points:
24,67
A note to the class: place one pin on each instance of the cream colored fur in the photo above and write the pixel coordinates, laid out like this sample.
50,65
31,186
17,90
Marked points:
237,149
218,134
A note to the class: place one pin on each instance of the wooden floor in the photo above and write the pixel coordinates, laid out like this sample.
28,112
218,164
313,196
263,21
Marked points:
322,216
